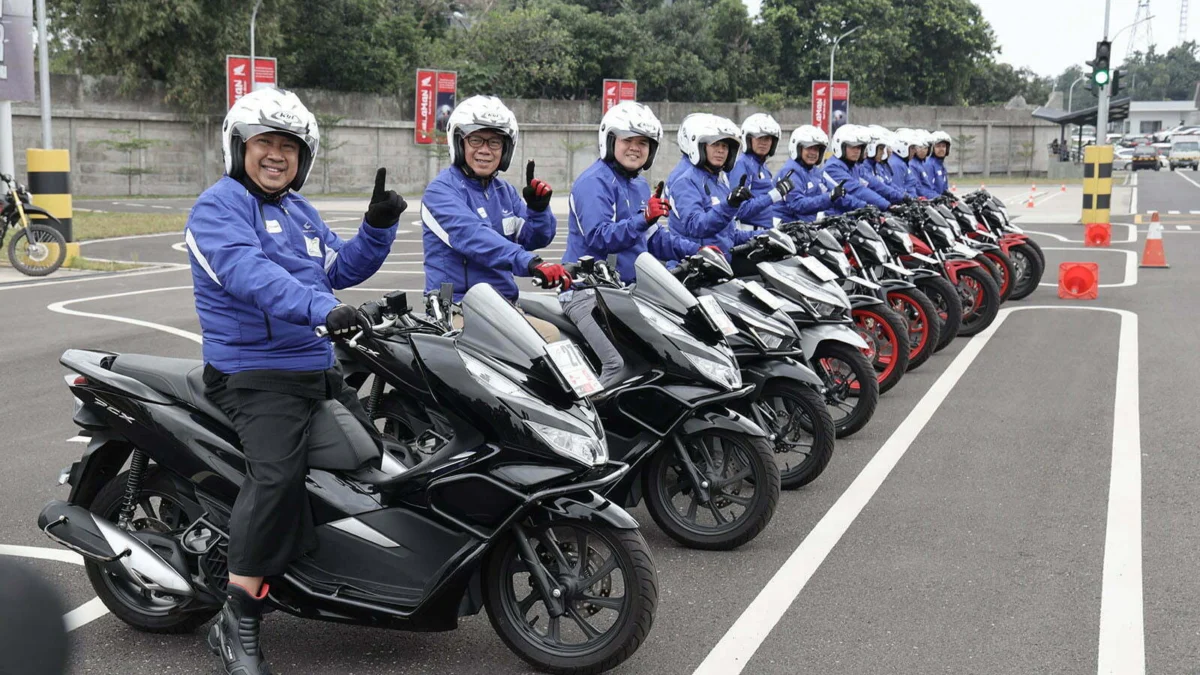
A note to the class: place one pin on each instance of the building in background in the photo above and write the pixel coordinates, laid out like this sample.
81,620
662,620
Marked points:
1149,117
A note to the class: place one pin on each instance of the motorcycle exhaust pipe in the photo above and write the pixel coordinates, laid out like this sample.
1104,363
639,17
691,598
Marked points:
122,553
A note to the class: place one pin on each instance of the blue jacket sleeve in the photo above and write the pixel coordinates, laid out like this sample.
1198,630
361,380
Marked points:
452,220
742,236
835,175
593,206
876,184
940,183
795,205
664,244
349,263
221,239
539,227
698,217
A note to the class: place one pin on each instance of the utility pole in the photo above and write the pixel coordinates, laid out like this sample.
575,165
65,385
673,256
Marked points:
253,68
832,52
1102,93
44,73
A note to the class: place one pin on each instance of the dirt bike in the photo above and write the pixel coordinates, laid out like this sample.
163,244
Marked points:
36,249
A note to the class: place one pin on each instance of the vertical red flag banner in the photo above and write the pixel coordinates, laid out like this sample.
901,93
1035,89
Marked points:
821,93
447,93
237,76
615,91
426,100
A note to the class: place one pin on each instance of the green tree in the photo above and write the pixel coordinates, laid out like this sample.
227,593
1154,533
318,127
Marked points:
996,83
123,140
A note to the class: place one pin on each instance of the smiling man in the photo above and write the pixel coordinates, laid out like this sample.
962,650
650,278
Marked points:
264,267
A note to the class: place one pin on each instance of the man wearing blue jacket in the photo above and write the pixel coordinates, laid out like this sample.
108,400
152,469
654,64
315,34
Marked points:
760,137
811,194
477,229
703,205
902,173
939,180
613,212
921,165
849,146
876,169
264,268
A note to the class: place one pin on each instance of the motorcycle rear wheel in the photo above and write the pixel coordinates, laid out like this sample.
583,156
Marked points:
924,324
946,300
1028,270
886,334
803,431
981,300
850,385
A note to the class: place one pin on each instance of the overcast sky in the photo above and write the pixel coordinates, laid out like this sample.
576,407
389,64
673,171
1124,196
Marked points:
1050,35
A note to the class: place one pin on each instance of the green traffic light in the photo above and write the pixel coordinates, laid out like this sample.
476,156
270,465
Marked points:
1100,77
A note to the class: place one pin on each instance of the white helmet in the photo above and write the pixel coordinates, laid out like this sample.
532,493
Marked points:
265,111
481,112
940,137
697,130
805,137
900,142
880,137
849,135
920,137
761,124
625,120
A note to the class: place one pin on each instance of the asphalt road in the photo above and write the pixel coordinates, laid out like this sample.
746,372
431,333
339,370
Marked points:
964,531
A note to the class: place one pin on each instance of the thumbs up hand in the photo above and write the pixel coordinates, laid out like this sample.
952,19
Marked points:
537,192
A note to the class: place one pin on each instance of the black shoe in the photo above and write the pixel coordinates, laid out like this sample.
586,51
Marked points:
234,637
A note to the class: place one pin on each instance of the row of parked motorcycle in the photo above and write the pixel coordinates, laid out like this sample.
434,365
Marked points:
506,468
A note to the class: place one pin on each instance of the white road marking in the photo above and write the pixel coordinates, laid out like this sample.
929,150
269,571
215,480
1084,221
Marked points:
1194,212
1180,173
1133,201
1130,238
80,616
180,246
1185,227
133,236
1131,265
1122,638
79,439
1172,213
61,308
162,267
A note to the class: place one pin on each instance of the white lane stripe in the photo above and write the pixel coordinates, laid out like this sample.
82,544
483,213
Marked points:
1133,200
1194,212
1130,238
1131,265
79,439
746,635
98,277
1183,227
131,236
84,614
61,308
40,553
1181,175
1172,213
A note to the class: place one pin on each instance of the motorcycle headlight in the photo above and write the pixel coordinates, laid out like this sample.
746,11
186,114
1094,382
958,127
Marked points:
843,263
722,371
880,250
584,448
906,242
826,310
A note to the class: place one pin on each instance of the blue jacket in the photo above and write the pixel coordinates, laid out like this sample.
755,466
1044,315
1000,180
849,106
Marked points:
263,273
809,197
879,179
477,233
935,169
608,216
759,212
902,175
699,210
858,193
925,187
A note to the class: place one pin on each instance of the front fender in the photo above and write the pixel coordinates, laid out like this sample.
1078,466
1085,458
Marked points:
860,301
923,273
897,284
954,266
768,369
726,420
812,336
587,506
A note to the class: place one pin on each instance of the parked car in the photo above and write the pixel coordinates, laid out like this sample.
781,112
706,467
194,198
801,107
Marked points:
1122,158
1144,157
1185,151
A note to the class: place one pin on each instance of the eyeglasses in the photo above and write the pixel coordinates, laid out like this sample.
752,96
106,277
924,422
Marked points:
493,143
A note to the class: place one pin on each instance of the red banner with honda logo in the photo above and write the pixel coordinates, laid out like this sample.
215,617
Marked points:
616,91
822,92
238,80
436,93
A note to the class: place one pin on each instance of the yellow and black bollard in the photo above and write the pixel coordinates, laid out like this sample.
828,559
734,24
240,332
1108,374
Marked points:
50,185
1097,183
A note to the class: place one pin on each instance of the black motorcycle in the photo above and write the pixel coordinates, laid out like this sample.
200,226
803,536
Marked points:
500,515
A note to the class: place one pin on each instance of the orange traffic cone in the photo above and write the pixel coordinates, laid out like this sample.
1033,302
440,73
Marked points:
1078,280
953,187
1033,188
1097,234
1064,188
982,186
1029,204
1153,254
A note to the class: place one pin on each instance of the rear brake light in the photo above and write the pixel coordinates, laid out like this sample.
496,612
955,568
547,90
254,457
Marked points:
75,380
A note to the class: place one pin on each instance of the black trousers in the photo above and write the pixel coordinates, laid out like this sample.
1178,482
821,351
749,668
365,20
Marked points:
272,523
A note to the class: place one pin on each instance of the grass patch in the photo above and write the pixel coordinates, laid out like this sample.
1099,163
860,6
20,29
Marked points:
88,225
80,263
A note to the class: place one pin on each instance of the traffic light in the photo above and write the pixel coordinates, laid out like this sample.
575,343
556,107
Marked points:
1100,72
1116,83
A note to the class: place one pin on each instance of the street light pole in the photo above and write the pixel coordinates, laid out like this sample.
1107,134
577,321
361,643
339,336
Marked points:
832,52
1102,95
253,19
1071,96
44,73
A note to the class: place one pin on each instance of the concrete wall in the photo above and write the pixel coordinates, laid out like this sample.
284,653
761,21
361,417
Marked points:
377,131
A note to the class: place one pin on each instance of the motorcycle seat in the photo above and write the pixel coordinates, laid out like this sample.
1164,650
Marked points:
336,440
548,309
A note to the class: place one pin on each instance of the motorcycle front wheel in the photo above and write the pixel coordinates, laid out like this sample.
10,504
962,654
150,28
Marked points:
802,431
980,298
948,304
851,390
886,334
924,324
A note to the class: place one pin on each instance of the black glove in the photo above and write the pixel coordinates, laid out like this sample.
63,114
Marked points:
782,187
909,201
838,192
537,192
739,194
385,207
344,321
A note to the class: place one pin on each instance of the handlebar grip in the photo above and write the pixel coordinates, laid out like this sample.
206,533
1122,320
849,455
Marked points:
742,248
321,331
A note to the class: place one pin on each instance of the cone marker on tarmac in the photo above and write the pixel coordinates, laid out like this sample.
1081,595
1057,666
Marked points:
1097,235
1078,280
1153,254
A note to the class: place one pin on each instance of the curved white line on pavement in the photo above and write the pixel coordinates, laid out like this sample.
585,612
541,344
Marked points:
1131,265
61,308
180,246
132,236
160,268
1122,634
1130,238
80,616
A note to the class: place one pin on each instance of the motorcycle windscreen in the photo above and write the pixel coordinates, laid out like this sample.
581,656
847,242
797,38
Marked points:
656,284
493,326
866,231
827,241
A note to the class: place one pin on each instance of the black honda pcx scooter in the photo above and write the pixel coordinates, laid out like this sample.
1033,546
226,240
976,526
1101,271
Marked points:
501,514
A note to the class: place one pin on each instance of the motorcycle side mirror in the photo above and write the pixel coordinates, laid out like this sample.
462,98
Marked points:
612,261
587,264
447,293
397,303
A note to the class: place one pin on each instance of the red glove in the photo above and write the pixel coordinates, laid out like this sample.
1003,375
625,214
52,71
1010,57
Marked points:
537,191
550,275
657,207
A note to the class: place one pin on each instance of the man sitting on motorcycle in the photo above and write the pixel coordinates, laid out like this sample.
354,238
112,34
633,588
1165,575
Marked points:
920,163
613,212
703,205
939,180
903,175
477,229
811,195
849,150
876,169
264,268
760,136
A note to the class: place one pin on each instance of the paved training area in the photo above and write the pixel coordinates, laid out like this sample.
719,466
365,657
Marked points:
1023,503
